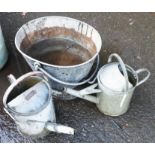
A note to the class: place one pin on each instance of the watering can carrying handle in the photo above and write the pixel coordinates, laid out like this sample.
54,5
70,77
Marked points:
122,66
145,78
14,82
12,78
38,67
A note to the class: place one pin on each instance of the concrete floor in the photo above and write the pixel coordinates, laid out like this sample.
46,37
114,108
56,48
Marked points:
132,35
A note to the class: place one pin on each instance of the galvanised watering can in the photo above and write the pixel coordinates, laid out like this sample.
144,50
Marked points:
116,83
28,101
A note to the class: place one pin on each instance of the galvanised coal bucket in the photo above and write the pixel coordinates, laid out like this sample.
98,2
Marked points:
68,29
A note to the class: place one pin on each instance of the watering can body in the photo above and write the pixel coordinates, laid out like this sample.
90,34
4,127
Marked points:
114,103
35,125
111,104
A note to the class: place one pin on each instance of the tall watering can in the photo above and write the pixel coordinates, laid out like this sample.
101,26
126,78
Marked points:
115,87
29,103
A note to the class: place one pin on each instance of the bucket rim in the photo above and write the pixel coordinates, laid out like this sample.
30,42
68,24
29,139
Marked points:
52,65
103,87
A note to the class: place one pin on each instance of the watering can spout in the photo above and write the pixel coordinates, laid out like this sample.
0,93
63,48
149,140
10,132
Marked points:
85,93
59,128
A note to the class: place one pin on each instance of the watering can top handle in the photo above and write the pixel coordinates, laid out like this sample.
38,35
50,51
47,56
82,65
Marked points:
145,78
123,68
14,82
38,67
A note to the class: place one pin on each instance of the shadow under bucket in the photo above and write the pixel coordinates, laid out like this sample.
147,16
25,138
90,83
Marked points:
64,49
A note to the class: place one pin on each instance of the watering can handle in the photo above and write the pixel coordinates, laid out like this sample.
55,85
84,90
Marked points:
145,78
122,66
38,67
12,78
14,82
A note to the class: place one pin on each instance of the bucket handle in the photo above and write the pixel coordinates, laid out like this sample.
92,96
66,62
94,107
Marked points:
145,78
38,67
122,66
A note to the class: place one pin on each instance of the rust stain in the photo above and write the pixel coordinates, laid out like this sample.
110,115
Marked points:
62,32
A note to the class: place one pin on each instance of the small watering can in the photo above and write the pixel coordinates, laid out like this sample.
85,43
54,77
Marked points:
115,87
3,50
28,102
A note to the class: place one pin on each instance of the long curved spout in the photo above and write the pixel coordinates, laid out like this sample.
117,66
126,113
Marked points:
59,128
84,94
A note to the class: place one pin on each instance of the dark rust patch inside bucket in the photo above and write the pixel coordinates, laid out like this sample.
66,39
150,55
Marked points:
59,52
58,46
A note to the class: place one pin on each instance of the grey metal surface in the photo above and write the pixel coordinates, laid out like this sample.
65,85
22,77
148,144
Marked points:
132,36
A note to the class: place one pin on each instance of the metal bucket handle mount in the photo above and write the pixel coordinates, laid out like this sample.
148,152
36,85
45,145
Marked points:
37,66
123,68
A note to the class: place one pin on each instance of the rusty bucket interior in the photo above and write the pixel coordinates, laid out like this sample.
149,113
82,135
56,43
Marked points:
66,43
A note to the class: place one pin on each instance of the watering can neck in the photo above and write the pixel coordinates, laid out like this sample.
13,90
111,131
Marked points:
85,93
